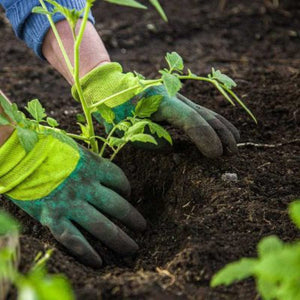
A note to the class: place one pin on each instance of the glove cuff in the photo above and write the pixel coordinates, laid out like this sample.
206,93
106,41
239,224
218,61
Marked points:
35,174
107,80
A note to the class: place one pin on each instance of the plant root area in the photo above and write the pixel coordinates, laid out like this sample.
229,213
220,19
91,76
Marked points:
197,222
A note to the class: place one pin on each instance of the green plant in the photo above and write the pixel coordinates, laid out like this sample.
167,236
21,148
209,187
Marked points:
134,127
37,283
276,270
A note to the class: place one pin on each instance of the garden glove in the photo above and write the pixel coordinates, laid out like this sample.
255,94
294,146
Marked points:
61,186
211,133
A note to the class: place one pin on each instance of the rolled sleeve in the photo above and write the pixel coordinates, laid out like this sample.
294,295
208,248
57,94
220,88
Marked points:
30,27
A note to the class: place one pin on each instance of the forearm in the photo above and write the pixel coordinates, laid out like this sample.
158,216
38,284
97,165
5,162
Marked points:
92,49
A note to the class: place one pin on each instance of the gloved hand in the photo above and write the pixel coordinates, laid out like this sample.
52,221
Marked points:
58,185
211,133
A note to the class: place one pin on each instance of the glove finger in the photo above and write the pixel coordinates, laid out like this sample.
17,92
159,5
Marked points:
228,124
110,175
103,229
180,115
225,135
109,202
68,235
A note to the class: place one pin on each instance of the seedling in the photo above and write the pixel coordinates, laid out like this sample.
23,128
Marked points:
37,283
276,270
133,127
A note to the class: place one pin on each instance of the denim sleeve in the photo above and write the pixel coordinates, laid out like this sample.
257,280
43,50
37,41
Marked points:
30,27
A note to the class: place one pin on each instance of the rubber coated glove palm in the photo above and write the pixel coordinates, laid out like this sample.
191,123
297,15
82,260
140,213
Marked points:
211,133
60,186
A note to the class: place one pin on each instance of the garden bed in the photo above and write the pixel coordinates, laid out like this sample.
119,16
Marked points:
196,222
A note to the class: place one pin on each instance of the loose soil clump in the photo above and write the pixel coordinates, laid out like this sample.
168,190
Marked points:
196,221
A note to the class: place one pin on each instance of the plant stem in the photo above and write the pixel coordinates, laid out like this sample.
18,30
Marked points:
107,140
84,105
59,41
117,151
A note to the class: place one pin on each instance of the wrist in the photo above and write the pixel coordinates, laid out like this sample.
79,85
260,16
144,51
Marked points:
92,50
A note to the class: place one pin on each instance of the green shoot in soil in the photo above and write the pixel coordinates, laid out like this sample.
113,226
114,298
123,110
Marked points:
37,283
276,270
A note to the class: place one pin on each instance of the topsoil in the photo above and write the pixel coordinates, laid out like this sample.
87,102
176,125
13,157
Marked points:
197,223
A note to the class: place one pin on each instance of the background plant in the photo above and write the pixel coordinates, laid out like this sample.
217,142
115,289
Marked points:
37,283
276,270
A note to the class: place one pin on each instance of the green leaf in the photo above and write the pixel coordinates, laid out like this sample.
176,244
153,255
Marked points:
84,130
171,83
174,61
107,113
160,10
160,132
234,272
52,122
294,211
80,118
3,120
267,289
7,107
224,79
131,3
61,136
268,245
147,106
138,127
27,137
116,142
41,10
144,138
124,126
18,116
7,223
35,108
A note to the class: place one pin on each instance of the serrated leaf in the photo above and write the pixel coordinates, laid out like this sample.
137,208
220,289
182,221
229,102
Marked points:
84,130
137,128
294,211
27,137
36,110
234,272
41,10
160,10
3,120
52,122
131,3
18,116
160,132
80,118
62,136
106,113
116,142
7,107
224,79
144,138
147,106
123,126
171,83
269,245
174,61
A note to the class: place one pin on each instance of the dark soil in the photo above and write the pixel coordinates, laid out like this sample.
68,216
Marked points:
197,222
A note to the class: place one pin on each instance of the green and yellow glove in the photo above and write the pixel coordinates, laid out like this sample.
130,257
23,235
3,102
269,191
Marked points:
60,186
211,133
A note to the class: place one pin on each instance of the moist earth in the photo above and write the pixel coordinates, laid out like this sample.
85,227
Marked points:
197,222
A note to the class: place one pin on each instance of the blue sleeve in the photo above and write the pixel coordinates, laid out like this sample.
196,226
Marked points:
32,28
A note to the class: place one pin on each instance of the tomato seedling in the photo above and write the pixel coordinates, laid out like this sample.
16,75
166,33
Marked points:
133,127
